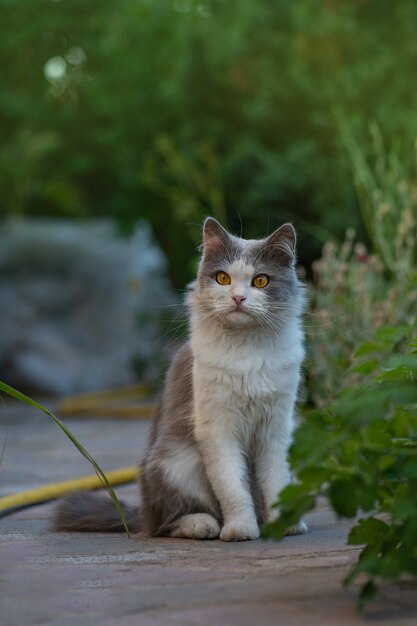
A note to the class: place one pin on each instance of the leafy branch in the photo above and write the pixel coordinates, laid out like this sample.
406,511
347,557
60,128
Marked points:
360,453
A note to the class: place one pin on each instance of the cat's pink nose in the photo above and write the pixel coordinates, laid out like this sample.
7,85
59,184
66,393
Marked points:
238,299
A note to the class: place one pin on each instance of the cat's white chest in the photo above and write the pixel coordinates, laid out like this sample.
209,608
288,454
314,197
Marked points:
248,371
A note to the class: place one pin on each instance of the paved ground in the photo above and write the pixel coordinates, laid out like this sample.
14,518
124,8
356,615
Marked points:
76,579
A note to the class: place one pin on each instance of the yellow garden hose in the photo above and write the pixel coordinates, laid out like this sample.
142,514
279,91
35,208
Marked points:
54,490
109,403
106,403
134,411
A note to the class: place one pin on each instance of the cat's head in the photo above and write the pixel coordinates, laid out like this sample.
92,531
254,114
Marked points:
246,283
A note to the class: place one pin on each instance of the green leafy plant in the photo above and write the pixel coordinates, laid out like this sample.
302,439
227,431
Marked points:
351,297
355,289
3,448
14,393
387,195
360,453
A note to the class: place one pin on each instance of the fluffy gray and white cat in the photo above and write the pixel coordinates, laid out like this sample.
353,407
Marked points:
217,454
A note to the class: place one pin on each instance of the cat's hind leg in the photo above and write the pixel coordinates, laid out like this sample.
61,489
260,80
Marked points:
177,499
195,526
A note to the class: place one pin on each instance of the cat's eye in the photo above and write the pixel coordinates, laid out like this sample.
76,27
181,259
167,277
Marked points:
223,279
260,281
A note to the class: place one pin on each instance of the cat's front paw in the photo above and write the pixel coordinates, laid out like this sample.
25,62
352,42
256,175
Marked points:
239,530
297,529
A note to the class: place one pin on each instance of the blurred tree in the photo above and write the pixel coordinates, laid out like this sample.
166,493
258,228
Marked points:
88,88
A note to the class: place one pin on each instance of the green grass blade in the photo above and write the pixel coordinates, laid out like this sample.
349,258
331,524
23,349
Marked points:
3,447
20,396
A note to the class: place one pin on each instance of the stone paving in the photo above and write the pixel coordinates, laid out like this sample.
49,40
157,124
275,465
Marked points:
94,578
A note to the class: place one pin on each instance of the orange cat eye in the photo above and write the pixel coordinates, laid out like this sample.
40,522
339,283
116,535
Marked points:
260,281
223,279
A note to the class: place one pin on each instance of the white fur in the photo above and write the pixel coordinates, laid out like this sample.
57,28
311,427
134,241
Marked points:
196,526
182,469
245,386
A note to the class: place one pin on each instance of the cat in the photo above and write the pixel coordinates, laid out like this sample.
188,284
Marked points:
217,453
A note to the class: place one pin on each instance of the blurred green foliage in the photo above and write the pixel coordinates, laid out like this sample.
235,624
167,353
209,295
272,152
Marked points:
245,97
388,201
355,290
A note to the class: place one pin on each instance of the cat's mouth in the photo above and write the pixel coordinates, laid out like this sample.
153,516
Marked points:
239,312
239,318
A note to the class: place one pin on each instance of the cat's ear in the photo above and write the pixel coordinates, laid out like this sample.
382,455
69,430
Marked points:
282,243
215,237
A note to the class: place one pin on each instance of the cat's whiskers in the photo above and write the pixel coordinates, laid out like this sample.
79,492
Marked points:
273,323
180,324
177,304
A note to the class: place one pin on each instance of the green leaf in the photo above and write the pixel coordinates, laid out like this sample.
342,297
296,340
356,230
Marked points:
367,593
390,335
368,347
409,534
371,402
3,448
342,494
396,560
386,462
292,493
405,506
368,559
294,501
314,476
366,494
401,361
20,396
410,469
370,531
276,530
364,367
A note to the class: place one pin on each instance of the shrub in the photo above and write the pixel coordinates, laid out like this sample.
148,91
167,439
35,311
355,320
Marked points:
360,453
351,296
388,200
354,291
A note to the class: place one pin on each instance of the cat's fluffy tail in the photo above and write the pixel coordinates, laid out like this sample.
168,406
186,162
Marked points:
87,511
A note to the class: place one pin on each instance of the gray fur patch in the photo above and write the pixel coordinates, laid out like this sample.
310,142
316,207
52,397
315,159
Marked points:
87,511
163,503
273,256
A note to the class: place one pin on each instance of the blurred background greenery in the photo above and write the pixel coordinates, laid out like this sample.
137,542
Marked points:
256,113
175,109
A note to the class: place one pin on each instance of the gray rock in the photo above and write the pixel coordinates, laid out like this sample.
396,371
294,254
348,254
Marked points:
78,304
